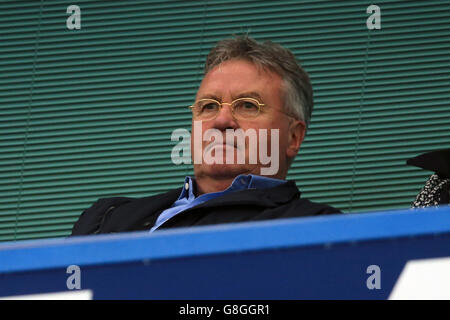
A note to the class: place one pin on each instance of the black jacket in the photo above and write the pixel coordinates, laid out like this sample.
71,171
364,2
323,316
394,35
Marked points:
121,214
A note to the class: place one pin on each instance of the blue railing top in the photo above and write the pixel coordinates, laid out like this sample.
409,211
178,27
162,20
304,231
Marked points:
225,238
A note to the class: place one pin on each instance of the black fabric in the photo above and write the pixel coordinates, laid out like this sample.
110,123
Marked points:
127,214
437,161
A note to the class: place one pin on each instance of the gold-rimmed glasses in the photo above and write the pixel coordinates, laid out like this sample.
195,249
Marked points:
242,108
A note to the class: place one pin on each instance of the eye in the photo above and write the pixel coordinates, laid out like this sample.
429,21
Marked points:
209,106
246,108
249,105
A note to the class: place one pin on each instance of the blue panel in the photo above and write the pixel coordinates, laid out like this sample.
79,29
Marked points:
313,258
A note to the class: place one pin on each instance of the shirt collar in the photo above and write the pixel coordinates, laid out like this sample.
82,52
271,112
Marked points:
241,182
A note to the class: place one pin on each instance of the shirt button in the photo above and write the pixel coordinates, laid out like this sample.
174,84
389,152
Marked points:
186,186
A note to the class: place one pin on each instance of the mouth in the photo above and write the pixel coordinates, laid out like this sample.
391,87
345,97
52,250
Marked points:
213,145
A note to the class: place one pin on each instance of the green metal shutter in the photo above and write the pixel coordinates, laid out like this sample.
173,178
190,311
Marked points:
87,114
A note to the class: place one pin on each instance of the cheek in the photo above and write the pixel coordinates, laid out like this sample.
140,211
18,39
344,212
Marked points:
197,130
284,138
281,139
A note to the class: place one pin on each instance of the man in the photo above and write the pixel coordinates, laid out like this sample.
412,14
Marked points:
254,91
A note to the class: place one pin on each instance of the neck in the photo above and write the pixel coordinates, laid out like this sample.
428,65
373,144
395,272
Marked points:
207,184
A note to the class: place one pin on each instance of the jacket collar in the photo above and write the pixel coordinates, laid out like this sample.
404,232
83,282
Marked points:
146,210
269,197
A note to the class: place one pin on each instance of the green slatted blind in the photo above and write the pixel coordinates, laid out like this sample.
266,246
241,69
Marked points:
88,113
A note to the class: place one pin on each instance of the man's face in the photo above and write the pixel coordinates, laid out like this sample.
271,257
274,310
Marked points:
236,79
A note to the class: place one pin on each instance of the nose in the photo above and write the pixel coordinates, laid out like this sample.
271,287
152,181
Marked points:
225,119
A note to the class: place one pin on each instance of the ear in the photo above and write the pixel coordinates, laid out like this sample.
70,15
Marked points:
297,131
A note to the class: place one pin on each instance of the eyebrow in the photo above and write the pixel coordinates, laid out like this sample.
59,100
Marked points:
251,94
209,96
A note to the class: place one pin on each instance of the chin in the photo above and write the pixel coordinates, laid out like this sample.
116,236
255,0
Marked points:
225,170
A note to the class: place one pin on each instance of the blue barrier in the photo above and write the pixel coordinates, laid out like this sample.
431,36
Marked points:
325,257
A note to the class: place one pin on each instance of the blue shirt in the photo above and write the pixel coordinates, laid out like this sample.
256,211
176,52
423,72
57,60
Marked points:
188,200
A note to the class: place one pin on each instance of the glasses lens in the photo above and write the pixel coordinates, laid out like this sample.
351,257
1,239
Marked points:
246,108
206,109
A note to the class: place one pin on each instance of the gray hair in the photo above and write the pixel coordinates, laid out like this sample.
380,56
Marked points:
297,89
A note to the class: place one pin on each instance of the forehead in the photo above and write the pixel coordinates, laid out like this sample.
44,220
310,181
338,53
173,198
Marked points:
232,78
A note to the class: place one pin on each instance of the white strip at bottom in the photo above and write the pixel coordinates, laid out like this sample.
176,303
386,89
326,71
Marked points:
65,295
427,279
